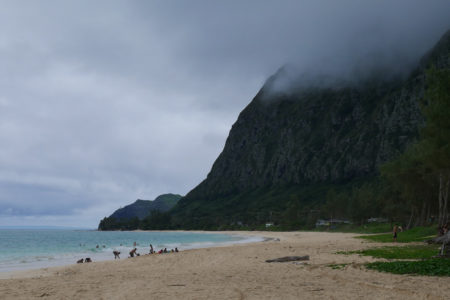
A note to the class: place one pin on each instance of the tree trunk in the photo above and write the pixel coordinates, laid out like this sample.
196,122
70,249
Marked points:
445,201
427,221
440,217
410,218
423,215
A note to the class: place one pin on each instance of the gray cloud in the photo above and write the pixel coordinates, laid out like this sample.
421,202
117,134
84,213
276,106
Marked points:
103,102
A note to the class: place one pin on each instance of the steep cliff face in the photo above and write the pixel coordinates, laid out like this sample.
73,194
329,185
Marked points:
313,135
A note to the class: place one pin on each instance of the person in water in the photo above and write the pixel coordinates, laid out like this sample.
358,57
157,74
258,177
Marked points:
151,249
133,252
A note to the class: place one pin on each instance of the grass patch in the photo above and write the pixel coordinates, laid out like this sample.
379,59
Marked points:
408,252
368,228
430,267
417,234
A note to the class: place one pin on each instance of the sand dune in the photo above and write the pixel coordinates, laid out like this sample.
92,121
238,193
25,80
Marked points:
232,272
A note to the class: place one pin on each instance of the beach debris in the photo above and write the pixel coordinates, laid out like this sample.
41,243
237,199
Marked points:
176,284
288,258
271,239
80,261
87,260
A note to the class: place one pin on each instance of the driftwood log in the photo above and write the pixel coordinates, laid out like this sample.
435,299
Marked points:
444,240
441,239
288,258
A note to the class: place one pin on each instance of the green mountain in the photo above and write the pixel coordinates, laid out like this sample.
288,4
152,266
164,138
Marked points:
139,210
287,150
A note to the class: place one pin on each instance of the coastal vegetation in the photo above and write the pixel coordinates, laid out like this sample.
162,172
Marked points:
398,252
430,267
416,234
423,259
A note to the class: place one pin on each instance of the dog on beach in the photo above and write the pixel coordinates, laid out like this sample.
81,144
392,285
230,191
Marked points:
87,260
80,261
116,254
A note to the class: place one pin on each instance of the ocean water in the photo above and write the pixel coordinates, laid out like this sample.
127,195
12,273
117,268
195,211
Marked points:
22,249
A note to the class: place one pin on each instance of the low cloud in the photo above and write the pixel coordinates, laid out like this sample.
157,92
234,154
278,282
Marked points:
108,101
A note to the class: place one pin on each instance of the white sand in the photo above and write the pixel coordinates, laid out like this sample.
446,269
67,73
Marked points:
231,272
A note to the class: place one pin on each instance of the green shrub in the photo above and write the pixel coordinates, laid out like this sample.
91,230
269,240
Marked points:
430,267
417,234
408,252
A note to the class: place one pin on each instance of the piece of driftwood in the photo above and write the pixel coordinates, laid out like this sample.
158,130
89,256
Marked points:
443,239
288,258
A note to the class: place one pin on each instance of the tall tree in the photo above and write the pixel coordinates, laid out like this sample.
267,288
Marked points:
435,136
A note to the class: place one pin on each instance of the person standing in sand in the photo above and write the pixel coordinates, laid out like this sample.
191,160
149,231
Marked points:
394,231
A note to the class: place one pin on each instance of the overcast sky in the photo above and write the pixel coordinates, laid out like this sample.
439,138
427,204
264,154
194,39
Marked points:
104,102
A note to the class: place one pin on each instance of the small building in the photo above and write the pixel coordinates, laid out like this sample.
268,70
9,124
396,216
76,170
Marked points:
321,222
270,224
377,220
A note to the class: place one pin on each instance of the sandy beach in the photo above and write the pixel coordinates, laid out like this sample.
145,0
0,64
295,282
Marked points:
231,272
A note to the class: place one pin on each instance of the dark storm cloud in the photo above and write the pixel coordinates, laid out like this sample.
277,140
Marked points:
103,102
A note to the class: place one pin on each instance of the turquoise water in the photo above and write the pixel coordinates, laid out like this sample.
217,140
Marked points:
28,249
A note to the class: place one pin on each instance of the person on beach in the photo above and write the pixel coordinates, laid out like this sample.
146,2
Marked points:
133,252
176,249
151,249
394,231
116,254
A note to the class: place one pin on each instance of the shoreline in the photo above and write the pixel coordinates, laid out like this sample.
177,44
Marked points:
234,272
37,268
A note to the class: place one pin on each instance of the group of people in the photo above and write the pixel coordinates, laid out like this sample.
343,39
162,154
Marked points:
134,252
162,250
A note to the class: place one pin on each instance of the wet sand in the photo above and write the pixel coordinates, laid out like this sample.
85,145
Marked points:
231,272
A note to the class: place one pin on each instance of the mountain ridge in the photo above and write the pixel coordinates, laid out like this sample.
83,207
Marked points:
318,136
141,208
